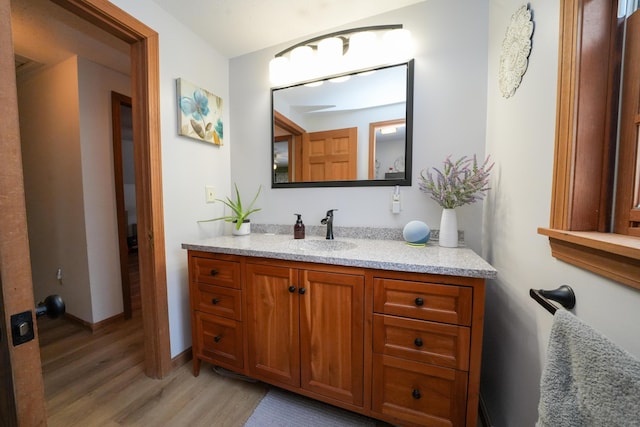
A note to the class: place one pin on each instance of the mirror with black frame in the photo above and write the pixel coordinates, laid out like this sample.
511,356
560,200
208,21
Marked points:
345,131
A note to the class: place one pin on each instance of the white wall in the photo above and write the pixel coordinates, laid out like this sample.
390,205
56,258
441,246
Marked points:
520,137
187,164
95,84
449,118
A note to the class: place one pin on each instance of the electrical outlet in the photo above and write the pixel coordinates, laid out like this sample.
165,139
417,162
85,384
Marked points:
210,195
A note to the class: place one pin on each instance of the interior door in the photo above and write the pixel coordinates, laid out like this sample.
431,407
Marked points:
8,416
24,400
330,155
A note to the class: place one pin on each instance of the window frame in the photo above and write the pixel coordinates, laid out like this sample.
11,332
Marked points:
627,217
584,157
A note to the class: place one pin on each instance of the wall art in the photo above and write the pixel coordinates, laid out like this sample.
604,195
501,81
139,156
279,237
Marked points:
199,113
516,46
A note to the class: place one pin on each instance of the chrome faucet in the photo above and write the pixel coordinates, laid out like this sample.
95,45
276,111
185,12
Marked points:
328,221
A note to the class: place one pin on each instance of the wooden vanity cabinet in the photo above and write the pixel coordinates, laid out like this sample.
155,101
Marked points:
397,346
305,329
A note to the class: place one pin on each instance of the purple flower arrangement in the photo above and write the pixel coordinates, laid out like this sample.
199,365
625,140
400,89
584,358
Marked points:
458,183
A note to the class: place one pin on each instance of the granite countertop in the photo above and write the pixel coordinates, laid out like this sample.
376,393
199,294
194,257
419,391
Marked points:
393,255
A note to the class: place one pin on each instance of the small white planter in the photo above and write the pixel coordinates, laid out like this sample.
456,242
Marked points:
244,229
448,236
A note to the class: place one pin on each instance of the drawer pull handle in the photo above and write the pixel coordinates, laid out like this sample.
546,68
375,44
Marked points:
214,272
215,301
416,394
419,301
217,338
301,291
292,289
418,342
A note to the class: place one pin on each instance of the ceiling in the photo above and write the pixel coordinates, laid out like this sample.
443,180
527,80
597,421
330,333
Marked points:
44,33
238,27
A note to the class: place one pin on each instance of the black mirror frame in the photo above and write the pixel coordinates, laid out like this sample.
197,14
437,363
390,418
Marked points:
405,182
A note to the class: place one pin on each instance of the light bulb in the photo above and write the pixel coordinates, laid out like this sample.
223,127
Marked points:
330,49
362,51
302,63
278,70
397,45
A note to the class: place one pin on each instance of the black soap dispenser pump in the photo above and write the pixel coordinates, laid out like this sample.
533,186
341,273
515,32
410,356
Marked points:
298,229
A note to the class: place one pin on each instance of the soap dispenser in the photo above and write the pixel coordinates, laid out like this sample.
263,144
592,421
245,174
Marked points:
298,229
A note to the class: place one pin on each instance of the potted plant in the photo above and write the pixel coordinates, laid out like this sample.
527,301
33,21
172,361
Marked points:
240,213
458,183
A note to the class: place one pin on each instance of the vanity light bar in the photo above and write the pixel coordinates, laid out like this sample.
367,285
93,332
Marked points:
340,52
313,42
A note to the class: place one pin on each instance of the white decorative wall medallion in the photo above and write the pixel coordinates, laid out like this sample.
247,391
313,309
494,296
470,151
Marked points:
516,47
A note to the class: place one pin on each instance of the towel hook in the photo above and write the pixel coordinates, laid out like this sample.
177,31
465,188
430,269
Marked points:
564,295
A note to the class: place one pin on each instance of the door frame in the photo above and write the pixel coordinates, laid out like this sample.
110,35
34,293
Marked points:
15,268
117,101
295,154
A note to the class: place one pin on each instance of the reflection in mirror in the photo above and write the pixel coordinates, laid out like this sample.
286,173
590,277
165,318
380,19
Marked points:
386,149
351,131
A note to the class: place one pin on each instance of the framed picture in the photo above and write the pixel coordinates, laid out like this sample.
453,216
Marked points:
199,113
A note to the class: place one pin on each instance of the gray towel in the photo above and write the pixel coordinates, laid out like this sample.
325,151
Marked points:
587,379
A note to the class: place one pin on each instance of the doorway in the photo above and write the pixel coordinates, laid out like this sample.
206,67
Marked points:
14,250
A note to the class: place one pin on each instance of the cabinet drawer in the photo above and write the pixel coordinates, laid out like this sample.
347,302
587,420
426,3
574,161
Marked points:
422,341
426,301
419,393
219,340
218,300
216,272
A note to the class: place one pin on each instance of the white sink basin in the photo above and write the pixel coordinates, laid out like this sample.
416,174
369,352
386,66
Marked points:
321,245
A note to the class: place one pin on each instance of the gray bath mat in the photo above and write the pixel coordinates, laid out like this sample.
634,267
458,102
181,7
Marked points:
284,409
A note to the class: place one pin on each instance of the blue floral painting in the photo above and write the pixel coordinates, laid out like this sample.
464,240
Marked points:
200,115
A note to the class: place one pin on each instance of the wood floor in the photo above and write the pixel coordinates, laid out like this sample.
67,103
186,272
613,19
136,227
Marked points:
97,379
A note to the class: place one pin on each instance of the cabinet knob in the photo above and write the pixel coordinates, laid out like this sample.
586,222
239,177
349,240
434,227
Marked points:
217,338
215,301
416,394
292,289
214,272
418,342
301,291
419,301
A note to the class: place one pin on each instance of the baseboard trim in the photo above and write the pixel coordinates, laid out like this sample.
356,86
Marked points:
93,327
182,358
484,414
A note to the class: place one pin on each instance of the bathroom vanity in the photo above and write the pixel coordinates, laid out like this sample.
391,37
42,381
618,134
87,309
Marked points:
373,326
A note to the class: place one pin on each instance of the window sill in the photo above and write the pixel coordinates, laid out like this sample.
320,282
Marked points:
610,255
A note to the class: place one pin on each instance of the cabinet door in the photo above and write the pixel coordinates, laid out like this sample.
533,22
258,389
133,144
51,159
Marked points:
272,323
332,335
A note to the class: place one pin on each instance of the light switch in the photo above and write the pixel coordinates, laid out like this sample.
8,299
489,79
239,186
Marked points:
210,195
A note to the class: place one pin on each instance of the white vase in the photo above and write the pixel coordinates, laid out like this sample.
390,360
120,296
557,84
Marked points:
448,236
244,229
